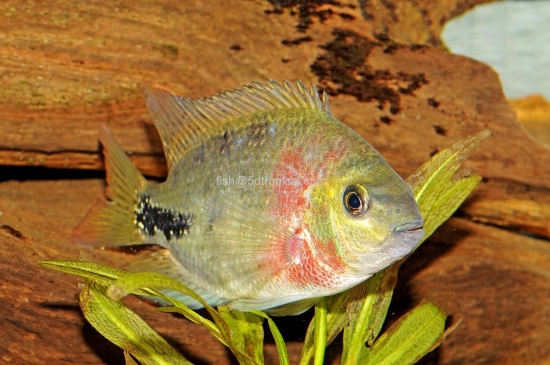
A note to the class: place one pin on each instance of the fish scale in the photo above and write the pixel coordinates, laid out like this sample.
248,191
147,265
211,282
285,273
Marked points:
270,202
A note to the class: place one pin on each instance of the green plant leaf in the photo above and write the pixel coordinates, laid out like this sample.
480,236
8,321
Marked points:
247,331
124,328
413,336
106,275
438,195
181,308
366,314
102,274
336,319
133,281
279,341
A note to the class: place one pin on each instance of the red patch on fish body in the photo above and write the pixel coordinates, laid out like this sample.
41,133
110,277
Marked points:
309,263
295,173
317,267
291,180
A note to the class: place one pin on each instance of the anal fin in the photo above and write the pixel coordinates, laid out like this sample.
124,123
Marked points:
163,262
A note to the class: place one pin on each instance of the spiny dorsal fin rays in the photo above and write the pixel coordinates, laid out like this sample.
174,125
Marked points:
167,113
181,122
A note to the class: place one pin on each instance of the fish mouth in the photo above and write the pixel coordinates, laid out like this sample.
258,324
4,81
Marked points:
405,238
408,235
401,242
412,227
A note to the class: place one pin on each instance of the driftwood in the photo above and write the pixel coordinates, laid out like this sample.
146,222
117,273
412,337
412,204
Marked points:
68,68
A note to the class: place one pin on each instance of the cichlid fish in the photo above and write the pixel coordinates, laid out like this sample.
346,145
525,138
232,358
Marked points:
270,202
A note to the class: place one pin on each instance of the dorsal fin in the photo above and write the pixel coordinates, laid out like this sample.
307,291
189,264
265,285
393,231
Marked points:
181,122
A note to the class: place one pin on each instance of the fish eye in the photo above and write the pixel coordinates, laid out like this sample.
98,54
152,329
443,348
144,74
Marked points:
356,200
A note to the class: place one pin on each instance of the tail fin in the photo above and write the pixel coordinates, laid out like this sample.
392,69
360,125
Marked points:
111,223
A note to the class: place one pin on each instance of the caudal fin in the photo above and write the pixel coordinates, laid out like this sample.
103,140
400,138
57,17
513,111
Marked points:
111,222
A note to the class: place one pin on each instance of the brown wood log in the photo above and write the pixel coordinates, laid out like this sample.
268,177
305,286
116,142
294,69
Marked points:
66,68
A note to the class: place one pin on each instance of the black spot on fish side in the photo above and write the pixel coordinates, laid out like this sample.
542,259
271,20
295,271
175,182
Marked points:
151,219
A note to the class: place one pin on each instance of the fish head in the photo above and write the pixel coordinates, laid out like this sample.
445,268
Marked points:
373,218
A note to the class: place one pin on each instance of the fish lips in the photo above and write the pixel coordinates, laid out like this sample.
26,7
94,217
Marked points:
409,234
398,244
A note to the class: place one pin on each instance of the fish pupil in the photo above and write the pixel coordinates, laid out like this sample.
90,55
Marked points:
354,202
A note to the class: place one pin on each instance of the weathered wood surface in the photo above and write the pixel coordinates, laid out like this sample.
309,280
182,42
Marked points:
66,68
534,113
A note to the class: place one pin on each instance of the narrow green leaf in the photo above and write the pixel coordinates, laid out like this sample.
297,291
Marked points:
124,328
247,331
133,281
103,274
336,319
366,313
179,307
100,273
308,350
320,342
279,341
409,339
449,201
107,275
433,186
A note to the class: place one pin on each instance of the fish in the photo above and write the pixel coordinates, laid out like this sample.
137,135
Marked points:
270,202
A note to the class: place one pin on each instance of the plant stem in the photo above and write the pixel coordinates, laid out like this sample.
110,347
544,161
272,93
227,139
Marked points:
320,342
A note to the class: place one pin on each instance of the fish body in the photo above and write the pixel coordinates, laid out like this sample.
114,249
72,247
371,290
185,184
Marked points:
270,202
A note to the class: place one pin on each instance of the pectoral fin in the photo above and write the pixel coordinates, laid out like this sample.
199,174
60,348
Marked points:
249,246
